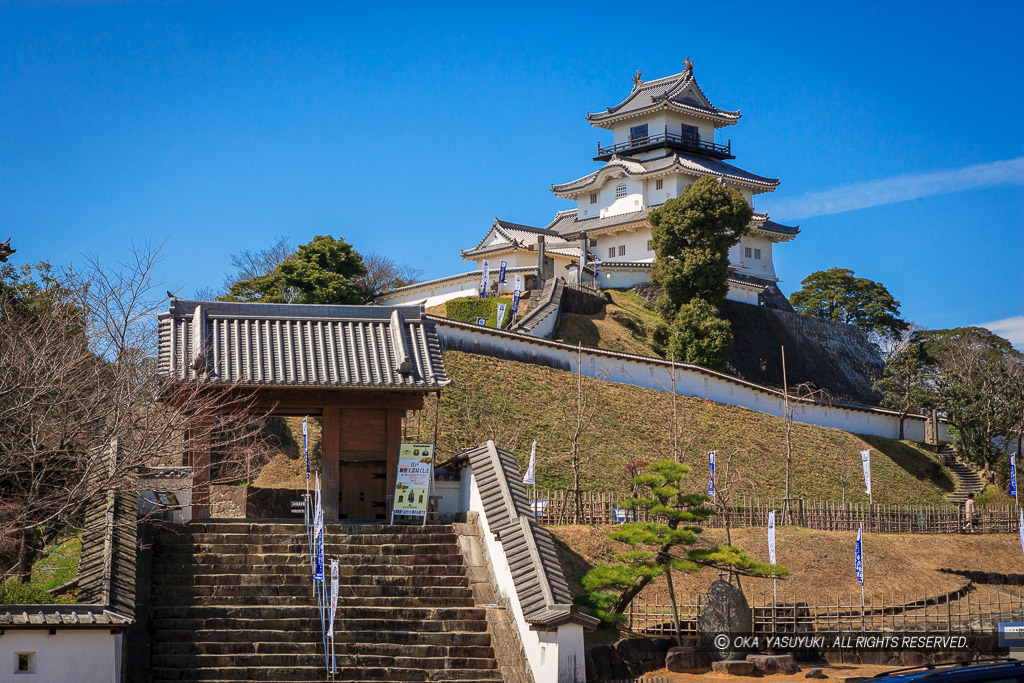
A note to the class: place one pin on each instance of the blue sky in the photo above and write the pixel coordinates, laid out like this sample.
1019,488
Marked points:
406,129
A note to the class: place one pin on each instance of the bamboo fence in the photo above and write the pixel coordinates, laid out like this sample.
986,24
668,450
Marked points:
961,612
554,507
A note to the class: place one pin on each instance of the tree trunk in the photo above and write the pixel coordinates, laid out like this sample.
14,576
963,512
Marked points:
633,591
672,599
23,568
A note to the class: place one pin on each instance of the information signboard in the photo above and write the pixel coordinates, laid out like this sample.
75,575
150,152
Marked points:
412,485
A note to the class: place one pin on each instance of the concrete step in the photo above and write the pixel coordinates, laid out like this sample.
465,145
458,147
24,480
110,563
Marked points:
348,612
407,567
304,590
256,557
312,623
344,674
301,547
314,658
297,527
300,537
244,647
307,599
427,579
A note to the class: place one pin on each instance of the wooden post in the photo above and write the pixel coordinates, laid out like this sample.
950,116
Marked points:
199,446
394,443
330,451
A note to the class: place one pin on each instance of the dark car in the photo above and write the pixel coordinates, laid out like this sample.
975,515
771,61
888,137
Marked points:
989,671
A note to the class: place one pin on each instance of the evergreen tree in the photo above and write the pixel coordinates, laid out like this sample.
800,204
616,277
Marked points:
663,545
835,294
325,271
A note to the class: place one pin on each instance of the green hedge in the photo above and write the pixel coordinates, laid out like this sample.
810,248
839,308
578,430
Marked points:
469,309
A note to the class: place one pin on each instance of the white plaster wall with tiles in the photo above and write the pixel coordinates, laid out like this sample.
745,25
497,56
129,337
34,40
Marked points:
753,255
70,654
554,656
627,246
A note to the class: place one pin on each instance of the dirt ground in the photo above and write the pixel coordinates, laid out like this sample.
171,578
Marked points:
821,562
834,672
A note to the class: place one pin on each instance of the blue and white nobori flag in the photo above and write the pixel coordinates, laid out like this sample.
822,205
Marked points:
865,459
771,536
529,477
711,468
318,521
501,315
515,302
481,321
858,559
1020,528
501,272
305,449
595,270
319,574
1013,475
334,597
483,279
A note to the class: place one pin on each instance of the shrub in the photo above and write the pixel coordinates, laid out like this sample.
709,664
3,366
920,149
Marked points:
469,309
699,336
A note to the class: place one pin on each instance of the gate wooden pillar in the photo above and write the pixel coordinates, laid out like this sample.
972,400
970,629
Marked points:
330,450
199,438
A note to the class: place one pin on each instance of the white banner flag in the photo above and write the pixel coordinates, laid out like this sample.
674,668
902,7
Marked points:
865,459
334,596
483,278
771,537
530,474
501,315
1020,529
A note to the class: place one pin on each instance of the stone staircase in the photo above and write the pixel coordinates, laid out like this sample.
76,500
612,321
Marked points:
233,601
967,478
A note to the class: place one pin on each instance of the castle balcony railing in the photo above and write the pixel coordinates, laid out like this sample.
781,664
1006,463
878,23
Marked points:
683,143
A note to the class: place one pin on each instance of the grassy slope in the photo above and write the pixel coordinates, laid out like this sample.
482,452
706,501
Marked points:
821,562
626,324
58,566
514,403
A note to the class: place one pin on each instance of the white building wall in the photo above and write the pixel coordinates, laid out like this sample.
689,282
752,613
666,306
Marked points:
763,267
635,243
541,648
616,206
72,654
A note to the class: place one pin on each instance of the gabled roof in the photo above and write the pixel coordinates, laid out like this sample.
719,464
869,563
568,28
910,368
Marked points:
343,347
508,236
567,225
674,162
529,547
679,92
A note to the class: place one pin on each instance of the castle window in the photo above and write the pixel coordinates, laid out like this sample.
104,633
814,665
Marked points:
593,198
691,133
620,190
747,252
650,245
638,132
659,184
757,254
611,252
622,250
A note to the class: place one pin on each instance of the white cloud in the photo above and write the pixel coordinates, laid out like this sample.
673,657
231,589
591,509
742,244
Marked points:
899,188
1011,328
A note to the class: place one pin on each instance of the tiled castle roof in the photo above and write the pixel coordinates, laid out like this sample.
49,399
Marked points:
512,236
253,344
679,91
529,547
689,164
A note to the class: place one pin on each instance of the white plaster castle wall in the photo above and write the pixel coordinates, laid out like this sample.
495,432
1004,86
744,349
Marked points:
616,206
72,654
690,381
635,243
763,267
742,295
542,650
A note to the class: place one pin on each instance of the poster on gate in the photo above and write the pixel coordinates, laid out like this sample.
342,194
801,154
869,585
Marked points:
412,485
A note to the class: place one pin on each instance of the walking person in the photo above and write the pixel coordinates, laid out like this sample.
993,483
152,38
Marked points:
969,513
